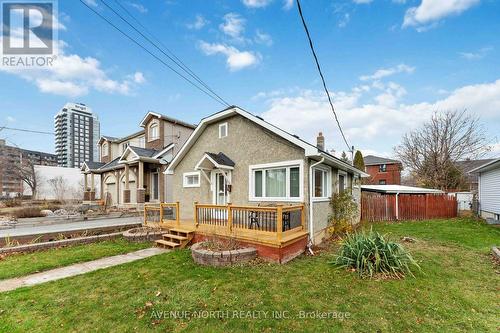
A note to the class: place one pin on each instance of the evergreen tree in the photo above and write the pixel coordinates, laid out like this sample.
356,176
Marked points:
359,161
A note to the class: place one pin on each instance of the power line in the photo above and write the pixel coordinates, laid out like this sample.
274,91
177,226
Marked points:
152,54
172,56
321,74
25,130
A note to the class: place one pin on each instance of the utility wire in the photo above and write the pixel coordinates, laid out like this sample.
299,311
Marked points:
170,54
321,74
25,130
151,53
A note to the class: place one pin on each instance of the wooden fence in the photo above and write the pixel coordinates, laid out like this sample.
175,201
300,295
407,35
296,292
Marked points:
389,207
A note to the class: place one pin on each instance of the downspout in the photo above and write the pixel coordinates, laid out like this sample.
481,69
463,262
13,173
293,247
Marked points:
397,206
311,231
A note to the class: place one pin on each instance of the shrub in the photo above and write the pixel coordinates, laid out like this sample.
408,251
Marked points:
372,253
53,206
12,203
28,212
344,213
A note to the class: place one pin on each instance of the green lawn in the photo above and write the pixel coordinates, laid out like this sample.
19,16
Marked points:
457,291
24,264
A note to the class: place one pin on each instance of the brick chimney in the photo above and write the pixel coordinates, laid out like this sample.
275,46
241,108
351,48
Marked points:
320,141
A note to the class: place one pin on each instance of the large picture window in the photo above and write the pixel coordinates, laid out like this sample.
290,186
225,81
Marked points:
276,182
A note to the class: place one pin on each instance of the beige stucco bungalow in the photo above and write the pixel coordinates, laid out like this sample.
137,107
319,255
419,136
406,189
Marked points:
236,158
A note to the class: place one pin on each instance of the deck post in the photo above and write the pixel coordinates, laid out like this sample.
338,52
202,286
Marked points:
279,222
229,218
196,223
161,212
145,215
303,217
177,217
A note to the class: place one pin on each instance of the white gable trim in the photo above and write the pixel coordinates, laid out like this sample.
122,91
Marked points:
150,113
123,158
310,150
164,151
217,165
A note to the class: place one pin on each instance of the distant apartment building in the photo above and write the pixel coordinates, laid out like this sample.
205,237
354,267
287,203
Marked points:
77,132
11,158
383,171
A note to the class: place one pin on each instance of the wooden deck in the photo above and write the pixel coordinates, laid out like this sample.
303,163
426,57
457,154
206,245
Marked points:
253,236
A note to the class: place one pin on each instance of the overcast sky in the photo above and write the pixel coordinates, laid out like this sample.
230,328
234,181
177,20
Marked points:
388,64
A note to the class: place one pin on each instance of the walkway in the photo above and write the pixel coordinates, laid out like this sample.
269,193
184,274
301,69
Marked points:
69,226
77,269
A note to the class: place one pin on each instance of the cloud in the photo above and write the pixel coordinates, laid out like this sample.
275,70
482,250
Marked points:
288,4
233,25
369,121
10,119
263,38
431,11
92,3
139,7
235,59
256,3
344,20
198,23
384,72
362,2
480,54
72,75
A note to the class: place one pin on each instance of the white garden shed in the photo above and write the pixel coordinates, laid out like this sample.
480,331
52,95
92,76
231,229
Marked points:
489,189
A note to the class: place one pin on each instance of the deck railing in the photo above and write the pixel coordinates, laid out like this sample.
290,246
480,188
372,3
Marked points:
278,220
161,213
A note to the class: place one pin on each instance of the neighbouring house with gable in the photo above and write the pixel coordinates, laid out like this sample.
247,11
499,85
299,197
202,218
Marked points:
242,177
383,171
131,168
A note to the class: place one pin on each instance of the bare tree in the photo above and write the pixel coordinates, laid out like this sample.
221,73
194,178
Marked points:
24,171
59,187
430,152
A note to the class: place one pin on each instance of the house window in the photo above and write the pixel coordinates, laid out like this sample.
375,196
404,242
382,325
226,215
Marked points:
191,179
321,181
276,181
155,186
342,181
382,168
153,132
382,182
222,130
104,149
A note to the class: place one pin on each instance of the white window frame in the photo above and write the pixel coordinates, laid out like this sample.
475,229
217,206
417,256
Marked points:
277,165
157,125
328,171
187,174
104,149
341,173
220,130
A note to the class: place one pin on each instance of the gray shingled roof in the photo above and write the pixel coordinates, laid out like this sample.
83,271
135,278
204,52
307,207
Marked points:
377,160
110,165
221,158
94,165
144,152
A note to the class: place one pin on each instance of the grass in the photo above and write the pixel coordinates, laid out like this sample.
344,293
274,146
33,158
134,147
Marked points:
456,291
23,264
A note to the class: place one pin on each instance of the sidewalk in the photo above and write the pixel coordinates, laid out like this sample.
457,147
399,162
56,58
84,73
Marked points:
69,226
77,269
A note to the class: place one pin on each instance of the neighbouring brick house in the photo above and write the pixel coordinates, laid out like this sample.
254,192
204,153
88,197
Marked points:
131,168
382,171
10,184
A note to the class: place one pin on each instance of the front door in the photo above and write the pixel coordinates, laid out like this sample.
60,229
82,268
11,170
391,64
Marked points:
220,189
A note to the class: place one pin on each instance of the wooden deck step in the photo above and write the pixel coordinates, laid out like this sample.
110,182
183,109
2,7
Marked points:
172,236
168,244
181,231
